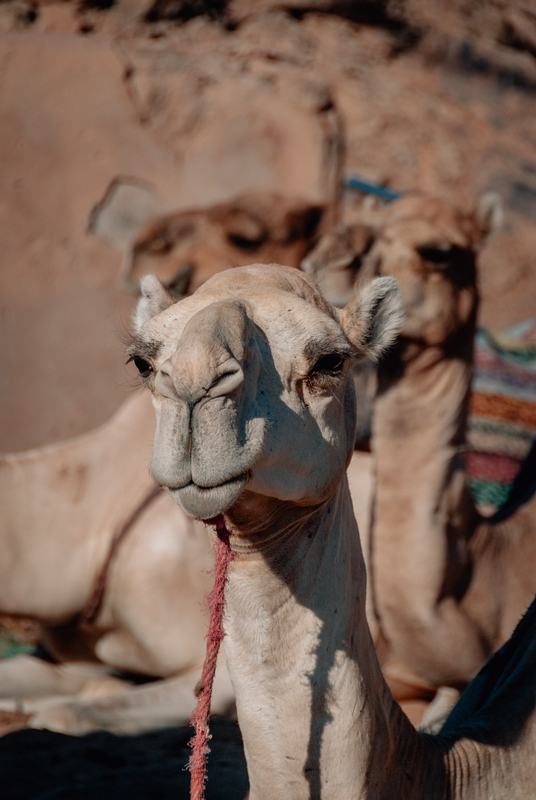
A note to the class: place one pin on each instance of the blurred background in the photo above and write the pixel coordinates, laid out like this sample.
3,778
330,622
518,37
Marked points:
146,108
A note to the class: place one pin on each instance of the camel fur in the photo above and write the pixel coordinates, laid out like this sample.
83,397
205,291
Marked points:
255,419
151,621
449,585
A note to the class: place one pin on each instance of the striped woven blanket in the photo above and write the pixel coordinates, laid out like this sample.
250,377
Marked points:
502,422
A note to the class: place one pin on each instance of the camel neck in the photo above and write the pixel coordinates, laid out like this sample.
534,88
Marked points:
423,512
317,718
418,441
420,420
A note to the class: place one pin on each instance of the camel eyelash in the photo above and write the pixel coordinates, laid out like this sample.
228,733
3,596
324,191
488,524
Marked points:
325,374
330,364
143,366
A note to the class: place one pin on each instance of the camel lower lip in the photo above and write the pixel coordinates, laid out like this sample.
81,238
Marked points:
205,503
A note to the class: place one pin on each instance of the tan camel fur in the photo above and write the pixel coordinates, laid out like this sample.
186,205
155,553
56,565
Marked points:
249,379
56,535
186,247
449,587
432,589
151,621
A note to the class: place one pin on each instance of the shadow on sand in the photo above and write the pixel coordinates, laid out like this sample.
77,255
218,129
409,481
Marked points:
40,765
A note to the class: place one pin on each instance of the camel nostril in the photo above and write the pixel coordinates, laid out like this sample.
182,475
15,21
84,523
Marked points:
228,382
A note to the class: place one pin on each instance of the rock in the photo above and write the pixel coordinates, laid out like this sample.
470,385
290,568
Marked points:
67,127
81,120
237,122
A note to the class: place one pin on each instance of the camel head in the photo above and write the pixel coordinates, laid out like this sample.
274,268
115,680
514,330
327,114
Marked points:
249,378
430,247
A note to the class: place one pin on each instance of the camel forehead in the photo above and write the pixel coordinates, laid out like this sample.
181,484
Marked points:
285,305
419,219
418,231
274,276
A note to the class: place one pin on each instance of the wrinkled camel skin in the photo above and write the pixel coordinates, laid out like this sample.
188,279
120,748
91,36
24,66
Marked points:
257,360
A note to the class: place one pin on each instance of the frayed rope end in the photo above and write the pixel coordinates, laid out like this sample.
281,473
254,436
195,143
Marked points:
197,764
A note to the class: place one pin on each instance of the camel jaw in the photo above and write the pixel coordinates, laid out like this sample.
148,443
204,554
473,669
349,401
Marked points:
207,502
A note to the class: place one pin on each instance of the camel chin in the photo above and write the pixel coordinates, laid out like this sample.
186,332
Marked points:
206,502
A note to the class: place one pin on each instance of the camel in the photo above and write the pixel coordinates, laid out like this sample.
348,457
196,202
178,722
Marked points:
449,585
151,619
255,420
186,247
41,469
66,478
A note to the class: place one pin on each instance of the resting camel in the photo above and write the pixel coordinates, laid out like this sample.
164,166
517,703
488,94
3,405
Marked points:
150,619
186,247
75,509
255,420
449,585
63,504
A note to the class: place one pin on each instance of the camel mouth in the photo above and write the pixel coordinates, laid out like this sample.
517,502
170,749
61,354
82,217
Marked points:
204,503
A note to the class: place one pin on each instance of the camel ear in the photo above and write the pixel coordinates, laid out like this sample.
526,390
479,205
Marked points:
122,212
489,215
154,299
374,317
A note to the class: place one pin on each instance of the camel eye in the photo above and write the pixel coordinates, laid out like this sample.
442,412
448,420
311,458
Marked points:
332,363
244,243
437,255
143,366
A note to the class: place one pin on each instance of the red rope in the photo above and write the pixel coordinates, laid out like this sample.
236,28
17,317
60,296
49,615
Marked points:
199,743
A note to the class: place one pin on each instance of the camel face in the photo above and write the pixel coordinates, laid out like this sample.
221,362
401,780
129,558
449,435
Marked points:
249,378
429,246
186,248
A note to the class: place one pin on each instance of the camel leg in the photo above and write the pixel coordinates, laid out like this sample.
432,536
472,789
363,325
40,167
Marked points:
27,676
161,704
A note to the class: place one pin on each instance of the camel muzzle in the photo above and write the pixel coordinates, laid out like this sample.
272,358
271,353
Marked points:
209,433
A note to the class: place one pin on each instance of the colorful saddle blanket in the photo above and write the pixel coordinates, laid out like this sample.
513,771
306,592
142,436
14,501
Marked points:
502,422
